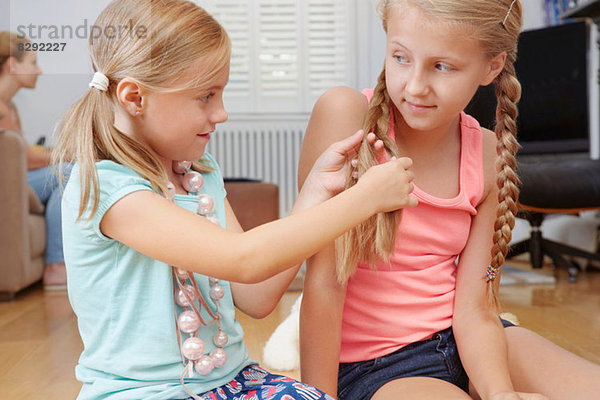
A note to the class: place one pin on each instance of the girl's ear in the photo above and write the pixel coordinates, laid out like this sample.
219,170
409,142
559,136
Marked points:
495,66
130,95
12,65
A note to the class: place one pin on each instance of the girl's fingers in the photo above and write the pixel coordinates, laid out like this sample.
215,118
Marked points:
380,152
378,147
405,162
371,138
350,144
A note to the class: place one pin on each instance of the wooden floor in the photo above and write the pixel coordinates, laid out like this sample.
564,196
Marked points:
39,342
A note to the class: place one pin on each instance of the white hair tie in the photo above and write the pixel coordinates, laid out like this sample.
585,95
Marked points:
99,81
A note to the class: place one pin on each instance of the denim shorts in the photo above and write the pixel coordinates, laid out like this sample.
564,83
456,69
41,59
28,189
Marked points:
436,357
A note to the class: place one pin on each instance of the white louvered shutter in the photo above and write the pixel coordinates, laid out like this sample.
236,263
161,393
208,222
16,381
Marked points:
329,45
278,49
234,15
286,53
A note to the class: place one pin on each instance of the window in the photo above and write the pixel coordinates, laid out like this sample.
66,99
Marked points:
286,53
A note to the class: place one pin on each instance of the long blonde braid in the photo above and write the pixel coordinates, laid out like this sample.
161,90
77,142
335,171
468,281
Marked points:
508,93
375,237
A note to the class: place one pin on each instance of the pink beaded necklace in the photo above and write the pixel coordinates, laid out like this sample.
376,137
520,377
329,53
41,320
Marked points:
188,296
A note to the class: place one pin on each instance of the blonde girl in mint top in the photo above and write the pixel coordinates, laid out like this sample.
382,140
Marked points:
411,311
155,257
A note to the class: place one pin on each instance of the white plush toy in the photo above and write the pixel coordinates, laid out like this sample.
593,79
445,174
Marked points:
282,351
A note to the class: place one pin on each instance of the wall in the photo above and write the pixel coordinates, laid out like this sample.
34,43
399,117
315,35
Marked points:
533,14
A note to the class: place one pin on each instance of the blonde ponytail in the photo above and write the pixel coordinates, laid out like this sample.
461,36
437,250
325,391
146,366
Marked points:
89,136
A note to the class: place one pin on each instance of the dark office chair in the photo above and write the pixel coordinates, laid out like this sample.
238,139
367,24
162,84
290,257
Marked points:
557,175
565,187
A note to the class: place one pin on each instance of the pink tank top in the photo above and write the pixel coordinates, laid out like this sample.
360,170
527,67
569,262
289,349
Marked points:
412,297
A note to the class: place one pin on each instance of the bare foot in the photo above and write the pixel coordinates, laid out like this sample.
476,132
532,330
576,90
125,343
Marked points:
55,276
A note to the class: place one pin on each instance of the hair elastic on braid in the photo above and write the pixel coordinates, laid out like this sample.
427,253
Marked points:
491,273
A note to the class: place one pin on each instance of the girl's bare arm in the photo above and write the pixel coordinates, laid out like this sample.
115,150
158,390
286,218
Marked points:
479,334
169,233
338,113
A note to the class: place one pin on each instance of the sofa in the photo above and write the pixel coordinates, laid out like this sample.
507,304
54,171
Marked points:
22,222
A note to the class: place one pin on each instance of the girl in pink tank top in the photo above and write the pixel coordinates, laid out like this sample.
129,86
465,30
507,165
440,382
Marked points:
413,296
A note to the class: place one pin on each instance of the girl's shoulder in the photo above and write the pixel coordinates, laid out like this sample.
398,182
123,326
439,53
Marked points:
337,114
343,100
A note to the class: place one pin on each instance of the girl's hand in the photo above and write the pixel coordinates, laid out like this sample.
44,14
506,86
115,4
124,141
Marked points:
389,185
380,154
518,396
328,175
331,168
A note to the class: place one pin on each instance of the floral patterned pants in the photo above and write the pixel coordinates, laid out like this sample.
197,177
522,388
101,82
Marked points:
255,383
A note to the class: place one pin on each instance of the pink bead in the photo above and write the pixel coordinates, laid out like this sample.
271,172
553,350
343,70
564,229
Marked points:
181,299
204,365
217,292
188,322
181,273
219,357
213,281
170,191
193,181
220,339
214,220
205,204
192,348
181,167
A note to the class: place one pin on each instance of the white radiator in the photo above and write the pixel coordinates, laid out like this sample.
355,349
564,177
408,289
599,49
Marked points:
267,153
